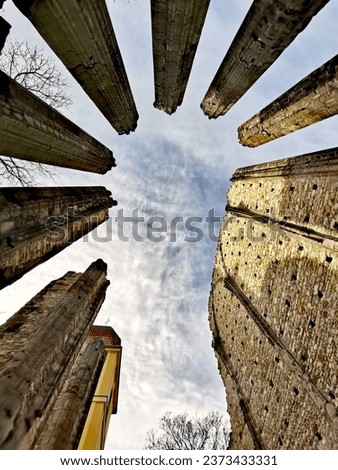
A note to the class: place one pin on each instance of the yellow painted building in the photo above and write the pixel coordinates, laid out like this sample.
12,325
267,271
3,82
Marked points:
105,398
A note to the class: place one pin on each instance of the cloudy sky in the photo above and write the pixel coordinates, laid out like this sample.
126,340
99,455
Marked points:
171,166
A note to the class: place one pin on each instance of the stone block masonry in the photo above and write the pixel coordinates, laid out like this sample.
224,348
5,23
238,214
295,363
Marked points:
267,30
37,223
32,130
82,36
39,345
311,100
272,306
176,30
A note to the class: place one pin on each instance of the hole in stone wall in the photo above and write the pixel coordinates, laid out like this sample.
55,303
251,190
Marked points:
287,302
318,436
271,383
320,294
14,327
266,408
294,277
277,359
303,357
300,248
335,225
328,259
281,332
332,395
280,442
280,242
272,189
306,218
312,324
292,188
314,187
295,391
286,423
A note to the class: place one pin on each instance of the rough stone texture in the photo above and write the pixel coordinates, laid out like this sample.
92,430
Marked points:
4,30
268,28
272,307
37,223
39,345
32,130
176,30
82,35
311,100
65,422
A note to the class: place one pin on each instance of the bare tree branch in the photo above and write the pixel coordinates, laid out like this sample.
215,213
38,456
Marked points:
179,432
32,69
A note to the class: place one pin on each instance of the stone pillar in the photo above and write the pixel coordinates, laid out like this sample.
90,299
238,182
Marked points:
32,130
39,345
4,30
268,28
65,423
37,223
82,36
272,306
311,100
176,30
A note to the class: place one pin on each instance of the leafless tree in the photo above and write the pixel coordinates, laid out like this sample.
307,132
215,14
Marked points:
181,432
38,73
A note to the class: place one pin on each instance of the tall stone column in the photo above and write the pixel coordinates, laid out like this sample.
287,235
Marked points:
63,428
39,345
272,306
176,30
82,36
37,223
32,130
268,28
311,100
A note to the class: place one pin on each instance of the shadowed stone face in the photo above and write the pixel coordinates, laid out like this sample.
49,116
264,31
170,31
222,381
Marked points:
4,30
37,223
39,345
176,30
82,35
32,130
272,307
311,100
269,27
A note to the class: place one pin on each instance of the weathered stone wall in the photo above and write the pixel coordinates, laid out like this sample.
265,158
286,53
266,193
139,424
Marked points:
37,223
32,130
311,100
82,35
66,420
176,30
268,28
39,345
273,304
